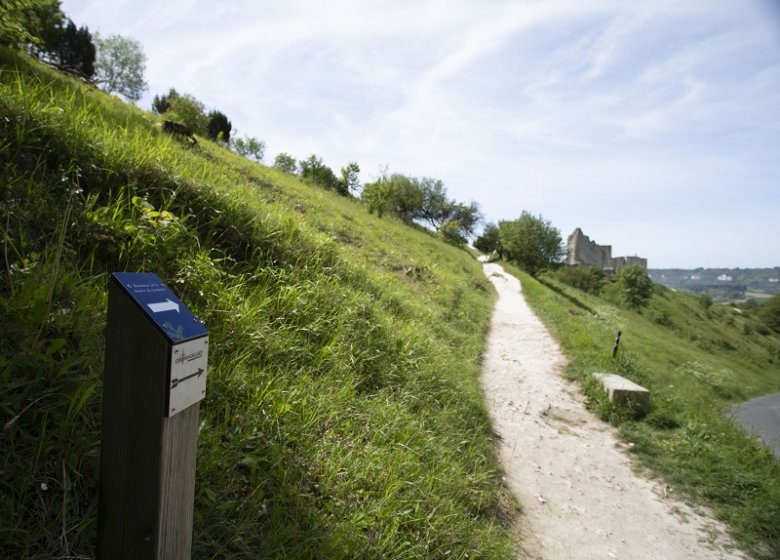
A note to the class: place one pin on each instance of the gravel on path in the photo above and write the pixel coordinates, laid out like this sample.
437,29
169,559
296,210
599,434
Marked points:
581,496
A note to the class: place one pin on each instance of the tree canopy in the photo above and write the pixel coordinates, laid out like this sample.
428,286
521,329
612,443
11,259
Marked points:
30,23
487,242
422,201
315,171
248,147
531,242
635,286
219,128
75,49
349,182
769,313
285,162
183,108
120,66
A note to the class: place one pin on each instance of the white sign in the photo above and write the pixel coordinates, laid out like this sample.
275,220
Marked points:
188,374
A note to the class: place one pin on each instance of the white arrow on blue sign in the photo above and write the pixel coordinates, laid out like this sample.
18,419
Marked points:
161,305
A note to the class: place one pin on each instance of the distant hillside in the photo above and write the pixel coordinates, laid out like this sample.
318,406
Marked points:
721,283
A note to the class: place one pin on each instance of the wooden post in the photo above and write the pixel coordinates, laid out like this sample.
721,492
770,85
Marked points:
617,343
155,366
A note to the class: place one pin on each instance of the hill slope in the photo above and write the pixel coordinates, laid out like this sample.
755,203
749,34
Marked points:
343,416
697,360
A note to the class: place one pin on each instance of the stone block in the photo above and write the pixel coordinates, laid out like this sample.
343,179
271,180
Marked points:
625,393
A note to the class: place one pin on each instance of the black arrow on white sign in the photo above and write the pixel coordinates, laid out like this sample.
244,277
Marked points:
175,382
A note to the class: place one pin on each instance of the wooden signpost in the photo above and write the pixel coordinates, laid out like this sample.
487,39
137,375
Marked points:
615,347
155,376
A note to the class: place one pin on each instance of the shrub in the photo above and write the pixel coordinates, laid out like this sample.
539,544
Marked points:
586,278
769,313
635,286
530,241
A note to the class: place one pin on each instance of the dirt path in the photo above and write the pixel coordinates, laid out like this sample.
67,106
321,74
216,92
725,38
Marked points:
581,499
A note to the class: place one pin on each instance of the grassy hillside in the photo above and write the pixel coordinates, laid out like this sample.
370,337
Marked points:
697,360
343,417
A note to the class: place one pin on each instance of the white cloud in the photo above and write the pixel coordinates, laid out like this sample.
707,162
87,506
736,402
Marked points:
557,107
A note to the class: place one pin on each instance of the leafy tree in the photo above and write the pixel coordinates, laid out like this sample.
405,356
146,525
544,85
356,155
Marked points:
589,279
285,162
187,110
531,242
635,286
161,103
436,208
14,29
251,148
349,183
120,66
467,215
421,200
31,23
219,128
406,198
488,241
395,194
75,49
316,172
769,313
452,232
377,196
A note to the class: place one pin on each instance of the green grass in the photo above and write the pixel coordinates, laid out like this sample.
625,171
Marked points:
343,417
696,362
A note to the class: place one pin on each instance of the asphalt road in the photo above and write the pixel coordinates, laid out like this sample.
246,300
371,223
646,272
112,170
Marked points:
762,417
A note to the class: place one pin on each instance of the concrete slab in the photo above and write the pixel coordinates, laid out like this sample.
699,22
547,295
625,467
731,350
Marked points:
624,392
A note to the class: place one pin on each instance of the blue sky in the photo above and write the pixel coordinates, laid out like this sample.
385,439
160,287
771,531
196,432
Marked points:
653,126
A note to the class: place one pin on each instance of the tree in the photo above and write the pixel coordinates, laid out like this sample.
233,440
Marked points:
31,23
120,66
161,103
187,110
436,208
349,183
589,279
635,286
248,147
219,128
395,194
452,232
467,215
376,196
488,241
531,242
75,49
285,162
769,313
316,172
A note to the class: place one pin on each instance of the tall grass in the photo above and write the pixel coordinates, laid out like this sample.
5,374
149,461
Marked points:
697,362
343,417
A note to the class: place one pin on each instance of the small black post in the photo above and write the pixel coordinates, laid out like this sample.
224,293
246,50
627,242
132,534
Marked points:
617,343
155,376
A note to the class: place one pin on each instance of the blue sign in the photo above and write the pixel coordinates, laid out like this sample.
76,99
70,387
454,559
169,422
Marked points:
161,305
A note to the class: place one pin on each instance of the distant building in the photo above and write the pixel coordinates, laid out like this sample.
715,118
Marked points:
581,251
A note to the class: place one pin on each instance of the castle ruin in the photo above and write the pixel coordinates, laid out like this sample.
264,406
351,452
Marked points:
581,251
